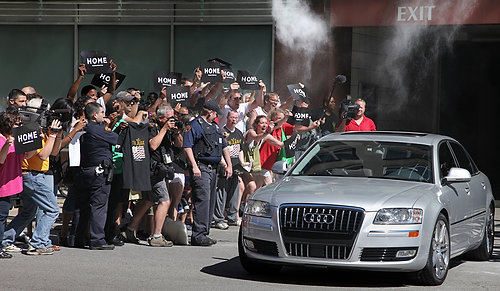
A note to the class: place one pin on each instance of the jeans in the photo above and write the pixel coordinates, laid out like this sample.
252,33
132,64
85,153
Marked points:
38,199
227,199
4,213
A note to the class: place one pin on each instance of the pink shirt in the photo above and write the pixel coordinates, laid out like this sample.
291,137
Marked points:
11,179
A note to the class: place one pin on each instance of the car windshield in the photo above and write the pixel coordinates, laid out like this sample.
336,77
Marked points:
388,160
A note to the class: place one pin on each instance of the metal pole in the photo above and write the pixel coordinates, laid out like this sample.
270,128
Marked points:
272,56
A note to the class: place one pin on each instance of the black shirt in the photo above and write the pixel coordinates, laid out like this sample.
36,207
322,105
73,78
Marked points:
134,144
331,120
95,144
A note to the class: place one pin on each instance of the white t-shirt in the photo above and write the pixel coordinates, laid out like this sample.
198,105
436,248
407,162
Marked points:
260,111
100,101
242,112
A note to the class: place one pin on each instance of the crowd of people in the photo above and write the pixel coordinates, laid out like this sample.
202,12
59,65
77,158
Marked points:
135,161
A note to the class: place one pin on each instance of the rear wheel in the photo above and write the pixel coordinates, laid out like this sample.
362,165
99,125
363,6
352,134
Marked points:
252,266
485,249
435,271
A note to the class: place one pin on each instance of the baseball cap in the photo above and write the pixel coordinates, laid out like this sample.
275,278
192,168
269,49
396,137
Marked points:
212,105
124,96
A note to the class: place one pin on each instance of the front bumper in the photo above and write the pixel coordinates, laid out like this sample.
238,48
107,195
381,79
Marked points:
375,240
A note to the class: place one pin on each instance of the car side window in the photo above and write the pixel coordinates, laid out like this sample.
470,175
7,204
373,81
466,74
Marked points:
446,161
463,158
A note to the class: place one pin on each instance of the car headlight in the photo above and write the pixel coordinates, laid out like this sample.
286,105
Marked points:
399,216
258,208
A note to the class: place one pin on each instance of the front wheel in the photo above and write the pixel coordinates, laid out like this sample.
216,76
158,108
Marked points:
435,271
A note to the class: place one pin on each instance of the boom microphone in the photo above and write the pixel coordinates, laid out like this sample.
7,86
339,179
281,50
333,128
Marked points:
339,80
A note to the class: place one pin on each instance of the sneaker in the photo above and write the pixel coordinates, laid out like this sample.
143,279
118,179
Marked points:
221,225
5,255
159,242
32,251
130,236
12,249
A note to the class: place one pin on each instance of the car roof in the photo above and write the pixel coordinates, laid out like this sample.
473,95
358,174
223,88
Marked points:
389,136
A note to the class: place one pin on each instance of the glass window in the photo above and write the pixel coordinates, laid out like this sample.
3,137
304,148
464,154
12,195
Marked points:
463,158
446,161
388,160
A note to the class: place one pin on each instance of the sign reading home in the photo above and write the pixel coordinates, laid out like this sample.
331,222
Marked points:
177,94
104,79
166,79
300,116
211,72
298,92
291,145
247,80
27,138
95,61
230,77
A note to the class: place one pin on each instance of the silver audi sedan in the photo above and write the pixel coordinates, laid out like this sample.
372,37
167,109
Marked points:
389,201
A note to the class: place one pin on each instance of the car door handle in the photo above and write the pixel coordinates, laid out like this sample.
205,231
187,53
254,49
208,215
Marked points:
483,184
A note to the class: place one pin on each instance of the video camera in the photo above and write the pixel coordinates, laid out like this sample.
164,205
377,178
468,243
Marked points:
44,116
348,109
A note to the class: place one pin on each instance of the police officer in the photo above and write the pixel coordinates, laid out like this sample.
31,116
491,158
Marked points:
204,146
94,180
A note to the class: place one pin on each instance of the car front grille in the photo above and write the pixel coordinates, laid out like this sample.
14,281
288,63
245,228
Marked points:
319,231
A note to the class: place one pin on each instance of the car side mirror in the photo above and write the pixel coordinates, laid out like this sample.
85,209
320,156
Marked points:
457,175
280,167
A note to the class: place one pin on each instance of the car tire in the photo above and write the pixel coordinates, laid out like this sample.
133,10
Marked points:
435,271
484,251
252,266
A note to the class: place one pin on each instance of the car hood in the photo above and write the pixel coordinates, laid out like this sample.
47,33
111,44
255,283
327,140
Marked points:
370,194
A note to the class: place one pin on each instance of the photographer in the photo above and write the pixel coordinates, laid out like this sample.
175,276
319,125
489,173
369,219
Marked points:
329,119
11,180
358,122
17,98
37,196
161,155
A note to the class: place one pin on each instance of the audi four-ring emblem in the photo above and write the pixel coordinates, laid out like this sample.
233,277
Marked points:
319,218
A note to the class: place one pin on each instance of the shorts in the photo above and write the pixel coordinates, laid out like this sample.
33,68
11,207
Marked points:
178,178
134,195
159,193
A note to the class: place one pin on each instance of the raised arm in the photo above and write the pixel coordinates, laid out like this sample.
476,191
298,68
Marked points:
73,90
111,90
259,99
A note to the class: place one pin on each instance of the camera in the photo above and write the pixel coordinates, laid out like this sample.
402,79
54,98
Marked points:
44,116
179,124
348,109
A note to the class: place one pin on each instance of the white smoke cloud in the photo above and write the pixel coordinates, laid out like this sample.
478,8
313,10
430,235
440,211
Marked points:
302,31
420,45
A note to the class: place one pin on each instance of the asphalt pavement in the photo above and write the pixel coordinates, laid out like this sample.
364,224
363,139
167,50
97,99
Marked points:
134,267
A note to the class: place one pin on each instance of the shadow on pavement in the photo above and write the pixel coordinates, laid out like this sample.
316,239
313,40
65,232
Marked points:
314,276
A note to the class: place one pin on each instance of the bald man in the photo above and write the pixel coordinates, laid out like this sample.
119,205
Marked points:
28,90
